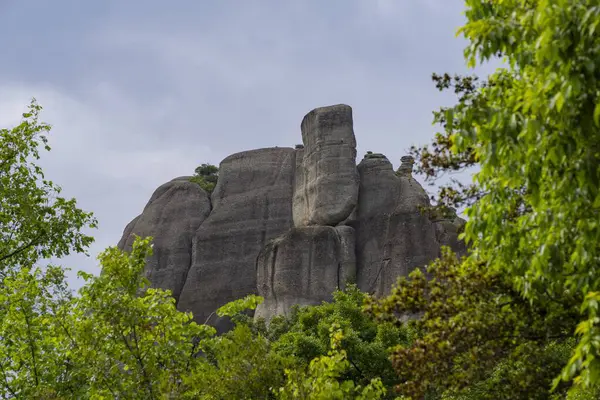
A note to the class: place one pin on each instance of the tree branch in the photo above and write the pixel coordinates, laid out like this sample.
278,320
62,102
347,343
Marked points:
22,248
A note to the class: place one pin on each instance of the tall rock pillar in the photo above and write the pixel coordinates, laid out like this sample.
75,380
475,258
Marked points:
316,257
326,186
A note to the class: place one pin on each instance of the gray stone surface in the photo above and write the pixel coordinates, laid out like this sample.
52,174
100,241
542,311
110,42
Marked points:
447,231
346,255
300,196
392,236
291,224
175,211
251,205
304,266
326,184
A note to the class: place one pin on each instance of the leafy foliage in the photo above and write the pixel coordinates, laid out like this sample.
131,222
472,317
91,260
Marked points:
206,175
239,365
476,334
30,301
131,337
537,142
321,381
533,130
111,341
35,223
305,334
250,361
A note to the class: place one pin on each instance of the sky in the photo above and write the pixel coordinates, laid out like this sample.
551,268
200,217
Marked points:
142,91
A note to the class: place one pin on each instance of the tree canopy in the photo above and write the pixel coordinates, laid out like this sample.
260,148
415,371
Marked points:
35,222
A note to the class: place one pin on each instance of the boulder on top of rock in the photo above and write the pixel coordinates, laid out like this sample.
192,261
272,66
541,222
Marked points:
252,203
172,215
304,267
326,184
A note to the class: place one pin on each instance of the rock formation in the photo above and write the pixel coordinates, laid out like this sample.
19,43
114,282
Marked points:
304,266
394,236
252,203
326,188
172,216
291,225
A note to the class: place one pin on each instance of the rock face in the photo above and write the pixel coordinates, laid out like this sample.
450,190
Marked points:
304,266
251,204
378,194
326,188
291,225
393,235
172,216
447,231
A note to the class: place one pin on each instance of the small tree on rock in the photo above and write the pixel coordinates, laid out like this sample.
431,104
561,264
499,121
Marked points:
206,175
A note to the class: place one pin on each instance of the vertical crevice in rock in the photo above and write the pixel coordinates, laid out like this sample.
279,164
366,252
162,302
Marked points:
187,270
307,265
265,219
171,216
337,244
192,248
346,255
339,276
271,273
375,285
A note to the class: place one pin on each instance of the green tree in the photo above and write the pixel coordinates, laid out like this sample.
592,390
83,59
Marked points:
206,175
478,338
537,141
322,380
117,339
240,364
30,332
532,129
130,337
35,222
305,334
250,361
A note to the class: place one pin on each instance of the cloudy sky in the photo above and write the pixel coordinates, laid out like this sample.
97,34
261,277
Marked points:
142,91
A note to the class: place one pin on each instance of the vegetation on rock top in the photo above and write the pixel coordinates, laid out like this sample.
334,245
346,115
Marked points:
206,175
